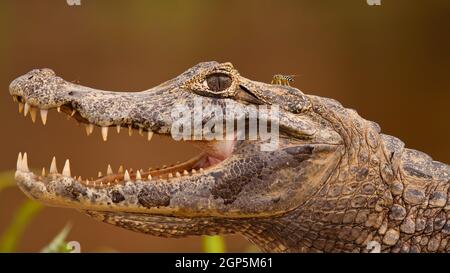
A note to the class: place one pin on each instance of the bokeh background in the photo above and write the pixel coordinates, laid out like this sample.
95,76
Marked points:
391,63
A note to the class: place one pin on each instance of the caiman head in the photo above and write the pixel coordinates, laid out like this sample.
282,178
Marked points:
234,185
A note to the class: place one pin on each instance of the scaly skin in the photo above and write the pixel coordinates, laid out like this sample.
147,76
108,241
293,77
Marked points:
334,184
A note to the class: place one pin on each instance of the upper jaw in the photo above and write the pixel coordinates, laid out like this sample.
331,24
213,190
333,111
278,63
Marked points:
41,89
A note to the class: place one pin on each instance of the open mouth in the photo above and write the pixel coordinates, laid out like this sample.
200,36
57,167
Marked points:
212,152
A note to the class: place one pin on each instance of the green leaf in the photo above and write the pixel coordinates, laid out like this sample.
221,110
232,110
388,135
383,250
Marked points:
213,244
26,212
58,244
6,180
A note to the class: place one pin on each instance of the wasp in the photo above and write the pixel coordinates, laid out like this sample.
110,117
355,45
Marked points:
282,79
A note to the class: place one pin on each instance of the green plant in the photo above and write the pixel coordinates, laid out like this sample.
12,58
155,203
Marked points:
213,244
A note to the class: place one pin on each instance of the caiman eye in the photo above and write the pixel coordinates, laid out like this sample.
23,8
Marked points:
218,82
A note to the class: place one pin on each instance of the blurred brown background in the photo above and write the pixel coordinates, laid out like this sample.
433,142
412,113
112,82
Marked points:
391,63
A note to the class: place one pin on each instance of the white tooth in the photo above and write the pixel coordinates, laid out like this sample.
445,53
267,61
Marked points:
201,170
53,168
130,130
58,109
25,163
100,174
101,184
126,177
141,131
44,113
149,135
194,171
185,172
14,98
33,114
149,177
26,109
89,129
170,175
21,106
43,172
118,127
109,184
105,133
178,174
19,162
87,182
66,169
120,169
109,170
73,112
138,175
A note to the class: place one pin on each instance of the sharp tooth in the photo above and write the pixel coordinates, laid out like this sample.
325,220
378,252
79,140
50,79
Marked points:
170,175
138,175
141,131
87,182
201,170
130,130
101,184
194,171
109,170
89,129
105,133
33,114
43,172
185,172
53,168
73,112
149,135
178,174
58,109
100,174
25,163
44,113
109,184
14,98
19,162
149,177
21,105
26,109
126,177
120,169
118,127
66,169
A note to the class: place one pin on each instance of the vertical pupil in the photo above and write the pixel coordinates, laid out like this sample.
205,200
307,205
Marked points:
218,82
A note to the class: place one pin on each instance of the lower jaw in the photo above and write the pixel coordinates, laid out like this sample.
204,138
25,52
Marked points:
213,153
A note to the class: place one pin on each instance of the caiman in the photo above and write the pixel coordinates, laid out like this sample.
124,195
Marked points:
334,183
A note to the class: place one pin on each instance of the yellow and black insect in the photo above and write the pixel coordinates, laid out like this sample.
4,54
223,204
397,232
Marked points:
282,79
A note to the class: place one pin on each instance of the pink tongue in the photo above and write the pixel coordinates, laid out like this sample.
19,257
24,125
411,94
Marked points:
216,151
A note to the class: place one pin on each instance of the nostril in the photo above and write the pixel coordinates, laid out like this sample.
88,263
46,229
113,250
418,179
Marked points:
70,93
30,77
